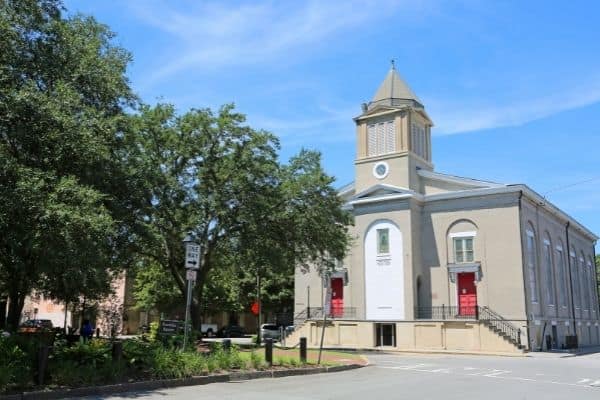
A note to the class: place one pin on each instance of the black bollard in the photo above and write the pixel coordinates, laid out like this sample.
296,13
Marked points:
227,345
43,353
117,351
269,351
303,350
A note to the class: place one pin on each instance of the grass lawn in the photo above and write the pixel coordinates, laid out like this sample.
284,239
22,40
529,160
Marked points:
291,357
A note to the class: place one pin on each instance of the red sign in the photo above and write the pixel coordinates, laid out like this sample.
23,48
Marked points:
254,308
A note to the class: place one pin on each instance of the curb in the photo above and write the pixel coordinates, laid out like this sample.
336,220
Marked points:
171,383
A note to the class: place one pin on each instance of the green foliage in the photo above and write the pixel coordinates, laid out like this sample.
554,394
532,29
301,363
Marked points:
154,326
256,360
15,370
84,363
65,209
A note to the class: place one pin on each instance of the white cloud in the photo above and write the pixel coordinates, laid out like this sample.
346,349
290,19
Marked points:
451,117
216,34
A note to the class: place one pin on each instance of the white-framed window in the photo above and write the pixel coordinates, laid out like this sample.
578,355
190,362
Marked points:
381,138
463,249
562,276
549,272
591,284
575,273
383,241
531,265
582,286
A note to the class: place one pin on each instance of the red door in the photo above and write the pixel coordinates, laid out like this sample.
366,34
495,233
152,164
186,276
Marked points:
337,297
467,294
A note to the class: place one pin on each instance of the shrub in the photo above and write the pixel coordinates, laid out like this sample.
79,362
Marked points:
153,336
84,363
256,360
15,370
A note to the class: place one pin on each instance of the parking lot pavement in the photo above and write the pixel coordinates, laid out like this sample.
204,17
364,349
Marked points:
419,377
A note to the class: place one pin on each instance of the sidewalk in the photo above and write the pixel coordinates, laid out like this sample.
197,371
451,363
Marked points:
565,353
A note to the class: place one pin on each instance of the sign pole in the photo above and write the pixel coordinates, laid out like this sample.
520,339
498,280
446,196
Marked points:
192,264
187,313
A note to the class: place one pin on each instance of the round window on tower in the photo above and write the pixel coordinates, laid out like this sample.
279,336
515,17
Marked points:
380,170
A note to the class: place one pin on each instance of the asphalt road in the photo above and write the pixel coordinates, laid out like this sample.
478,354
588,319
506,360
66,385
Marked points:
418,377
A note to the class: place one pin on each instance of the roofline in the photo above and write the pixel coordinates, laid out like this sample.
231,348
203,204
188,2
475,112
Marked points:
456,179
527,191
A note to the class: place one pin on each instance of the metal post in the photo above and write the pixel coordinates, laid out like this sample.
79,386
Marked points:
269,351
258,333
303,350
187,313
308,302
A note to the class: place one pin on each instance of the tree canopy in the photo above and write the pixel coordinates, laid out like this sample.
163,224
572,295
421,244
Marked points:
93,182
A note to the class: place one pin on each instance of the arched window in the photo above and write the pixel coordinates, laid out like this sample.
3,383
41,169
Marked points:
562,275
548,271
531,263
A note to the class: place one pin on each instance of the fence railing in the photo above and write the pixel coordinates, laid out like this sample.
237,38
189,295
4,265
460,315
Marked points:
334,313
447,312
484,314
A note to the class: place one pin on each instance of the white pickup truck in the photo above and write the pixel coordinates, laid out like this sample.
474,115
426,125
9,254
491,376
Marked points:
209,330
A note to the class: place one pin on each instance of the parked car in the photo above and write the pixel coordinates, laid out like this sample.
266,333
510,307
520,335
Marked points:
36,325
270,331
209,330
230,331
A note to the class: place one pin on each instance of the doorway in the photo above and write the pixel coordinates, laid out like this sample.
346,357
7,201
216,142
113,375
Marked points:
337,297
385,335
467,294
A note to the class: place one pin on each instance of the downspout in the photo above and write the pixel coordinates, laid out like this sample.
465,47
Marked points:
595,278
568,252
523,262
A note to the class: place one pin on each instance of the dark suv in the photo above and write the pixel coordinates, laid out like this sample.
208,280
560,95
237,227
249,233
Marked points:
36,325
230,331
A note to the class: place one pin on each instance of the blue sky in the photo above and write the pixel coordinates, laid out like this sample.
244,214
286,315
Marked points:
512,86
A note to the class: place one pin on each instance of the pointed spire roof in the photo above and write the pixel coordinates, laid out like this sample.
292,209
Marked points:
393,91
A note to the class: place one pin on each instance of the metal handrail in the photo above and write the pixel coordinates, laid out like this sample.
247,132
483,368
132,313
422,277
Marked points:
483,314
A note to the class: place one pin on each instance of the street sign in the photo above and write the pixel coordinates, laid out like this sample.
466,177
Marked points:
190,275
254,308
170,327
192,256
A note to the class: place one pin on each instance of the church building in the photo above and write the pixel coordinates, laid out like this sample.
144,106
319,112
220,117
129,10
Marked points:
442,262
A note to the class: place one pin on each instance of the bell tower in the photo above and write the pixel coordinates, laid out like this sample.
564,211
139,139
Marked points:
393,137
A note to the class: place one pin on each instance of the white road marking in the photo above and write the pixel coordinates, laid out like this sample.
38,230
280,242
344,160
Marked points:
584,381
496,373
596,383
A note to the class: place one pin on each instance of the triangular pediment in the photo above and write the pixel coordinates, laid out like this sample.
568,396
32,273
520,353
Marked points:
380,190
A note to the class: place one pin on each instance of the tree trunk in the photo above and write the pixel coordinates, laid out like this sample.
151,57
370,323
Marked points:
15,307
3,304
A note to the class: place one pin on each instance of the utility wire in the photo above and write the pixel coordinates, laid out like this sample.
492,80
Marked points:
571,185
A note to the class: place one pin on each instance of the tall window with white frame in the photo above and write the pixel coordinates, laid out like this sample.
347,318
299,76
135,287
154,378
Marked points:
562,276
582,286
575,279
549,272
381,138
591,283
531,266
463,249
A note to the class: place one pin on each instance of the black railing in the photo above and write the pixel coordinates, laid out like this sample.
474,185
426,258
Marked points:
500,325
483,314
447,312
334,313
